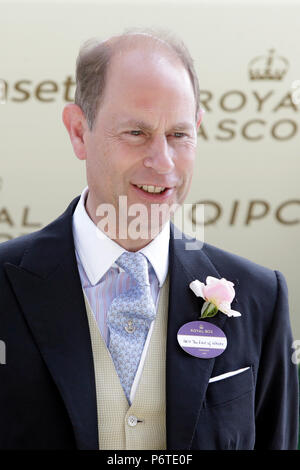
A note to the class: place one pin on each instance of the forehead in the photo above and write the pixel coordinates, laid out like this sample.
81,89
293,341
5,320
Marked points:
146,63
148,79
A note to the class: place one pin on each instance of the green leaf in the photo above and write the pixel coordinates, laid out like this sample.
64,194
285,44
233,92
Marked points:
208,310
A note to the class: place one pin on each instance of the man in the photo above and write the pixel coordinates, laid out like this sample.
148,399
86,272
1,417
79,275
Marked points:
93,359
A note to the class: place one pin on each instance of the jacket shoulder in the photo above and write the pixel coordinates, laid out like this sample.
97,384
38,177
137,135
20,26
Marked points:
251,279
236,266
259,289
12,251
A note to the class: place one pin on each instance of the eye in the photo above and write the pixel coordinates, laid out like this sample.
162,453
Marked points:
179,134
136,133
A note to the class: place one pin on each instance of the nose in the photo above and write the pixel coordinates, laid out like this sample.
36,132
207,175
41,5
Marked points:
160,155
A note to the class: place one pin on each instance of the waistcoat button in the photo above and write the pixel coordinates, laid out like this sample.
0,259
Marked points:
132,421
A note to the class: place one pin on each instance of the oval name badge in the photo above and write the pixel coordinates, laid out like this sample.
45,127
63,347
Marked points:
202,339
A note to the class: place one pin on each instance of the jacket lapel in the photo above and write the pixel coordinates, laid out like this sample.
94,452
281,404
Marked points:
48,289
186,376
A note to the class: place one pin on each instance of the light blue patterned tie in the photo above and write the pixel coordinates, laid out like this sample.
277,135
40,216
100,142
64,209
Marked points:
129,318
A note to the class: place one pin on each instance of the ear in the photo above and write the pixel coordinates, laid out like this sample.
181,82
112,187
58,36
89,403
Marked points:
200,115
76,125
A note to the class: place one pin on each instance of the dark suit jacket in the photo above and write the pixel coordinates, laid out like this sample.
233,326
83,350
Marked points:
47,386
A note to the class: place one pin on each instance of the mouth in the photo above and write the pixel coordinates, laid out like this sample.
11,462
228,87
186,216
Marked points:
151,189
154,193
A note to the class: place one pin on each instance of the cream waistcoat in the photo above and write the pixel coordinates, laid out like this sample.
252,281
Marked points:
143,424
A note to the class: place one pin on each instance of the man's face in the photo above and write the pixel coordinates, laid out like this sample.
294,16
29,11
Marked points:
144,133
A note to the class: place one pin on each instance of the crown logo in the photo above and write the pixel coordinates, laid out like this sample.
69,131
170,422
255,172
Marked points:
201,327
269,67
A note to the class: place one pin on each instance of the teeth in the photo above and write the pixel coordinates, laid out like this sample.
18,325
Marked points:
151,189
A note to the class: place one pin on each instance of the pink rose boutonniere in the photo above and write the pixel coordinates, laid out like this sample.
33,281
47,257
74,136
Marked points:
218,295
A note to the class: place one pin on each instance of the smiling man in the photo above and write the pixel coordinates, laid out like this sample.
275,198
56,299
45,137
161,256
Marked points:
90,311
142,141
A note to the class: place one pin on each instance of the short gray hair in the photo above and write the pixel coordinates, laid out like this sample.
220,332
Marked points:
94,58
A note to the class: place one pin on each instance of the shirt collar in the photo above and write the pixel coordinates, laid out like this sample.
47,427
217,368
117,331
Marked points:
98,252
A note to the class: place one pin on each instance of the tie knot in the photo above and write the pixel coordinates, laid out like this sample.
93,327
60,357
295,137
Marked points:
136,265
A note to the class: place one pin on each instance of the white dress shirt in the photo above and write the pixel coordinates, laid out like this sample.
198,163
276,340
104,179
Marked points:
96,254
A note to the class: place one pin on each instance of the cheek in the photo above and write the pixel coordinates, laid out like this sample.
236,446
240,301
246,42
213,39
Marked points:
100,159
186,161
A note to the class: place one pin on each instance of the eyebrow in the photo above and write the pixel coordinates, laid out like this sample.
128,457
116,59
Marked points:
145,126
